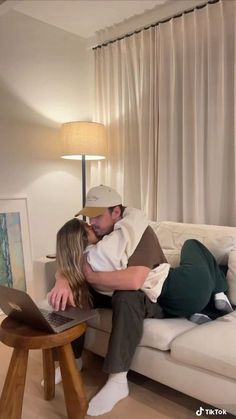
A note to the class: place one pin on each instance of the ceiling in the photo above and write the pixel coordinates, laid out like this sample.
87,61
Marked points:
81,17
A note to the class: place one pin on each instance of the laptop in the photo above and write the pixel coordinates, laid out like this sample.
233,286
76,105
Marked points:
18,305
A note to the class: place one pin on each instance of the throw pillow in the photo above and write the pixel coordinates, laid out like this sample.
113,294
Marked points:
231,276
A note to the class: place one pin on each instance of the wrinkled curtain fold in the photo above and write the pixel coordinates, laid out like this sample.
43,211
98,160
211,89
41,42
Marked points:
167,96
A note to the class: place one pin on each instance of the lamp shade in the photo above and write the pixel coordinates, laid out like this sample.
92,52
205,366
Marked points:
82,138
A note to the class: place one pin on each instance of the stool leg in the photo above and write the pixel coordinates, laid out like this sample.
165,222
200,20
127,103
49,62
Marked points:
75,398
48,374
13,390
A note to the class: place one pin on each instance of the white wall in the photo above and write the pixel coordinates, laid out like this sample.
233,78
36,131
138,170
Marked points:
44,81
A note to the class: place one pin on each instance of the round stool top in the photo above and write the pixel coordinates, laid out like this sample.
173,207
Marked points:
15,334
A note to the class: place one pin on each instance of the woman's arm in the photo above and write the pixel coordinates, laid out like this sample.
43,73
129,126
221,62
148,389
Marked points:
131,278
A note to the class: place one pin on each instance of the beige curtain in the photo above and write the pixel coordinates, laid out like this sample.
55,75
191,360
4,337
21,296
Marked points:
168,98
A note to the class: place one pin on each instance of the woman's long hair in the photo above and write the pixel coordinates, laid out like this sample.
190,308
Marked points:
71,242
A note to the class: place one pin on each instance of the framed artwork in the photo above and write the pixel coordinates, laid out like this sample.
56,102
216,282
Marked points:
15,250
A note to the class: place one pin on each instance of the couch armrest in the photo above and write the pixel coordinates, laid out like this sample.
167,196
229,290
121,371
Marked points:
44,277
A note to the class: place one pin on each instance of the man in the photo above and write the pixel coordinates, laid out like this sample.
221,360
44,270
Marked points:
129,304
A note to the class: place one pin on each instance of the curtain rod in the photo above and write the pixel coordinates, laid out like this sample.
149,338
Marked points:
155,24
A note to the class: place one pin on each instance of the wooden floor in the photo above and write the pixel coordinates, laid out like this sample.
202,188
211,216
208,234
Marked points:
147,399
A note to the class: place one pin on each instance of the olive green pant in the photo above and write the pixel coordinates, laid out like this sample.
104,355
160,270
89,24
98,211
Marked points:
190,287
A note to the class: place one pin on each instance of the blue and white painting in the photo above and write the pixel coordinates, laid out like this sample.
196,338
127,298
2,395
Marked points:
12,268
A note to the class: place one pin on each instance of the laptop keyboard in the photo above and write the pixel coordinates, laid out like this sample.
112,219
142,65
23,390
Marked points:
54,318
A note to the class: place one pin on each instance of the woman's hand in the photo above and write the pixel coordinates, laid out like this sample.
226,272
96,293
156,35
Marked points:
61,294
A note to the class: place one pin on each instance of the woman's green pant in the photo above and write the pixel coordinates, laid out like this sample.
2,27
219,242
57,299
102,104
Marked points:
190,287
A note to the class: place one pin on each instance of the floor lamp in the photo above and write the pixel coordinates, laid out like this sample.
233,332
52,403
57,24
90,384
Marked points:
82,140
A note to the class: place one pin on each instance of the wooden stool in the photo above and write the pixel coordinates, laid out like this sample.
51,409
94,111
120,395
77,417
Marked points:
23,338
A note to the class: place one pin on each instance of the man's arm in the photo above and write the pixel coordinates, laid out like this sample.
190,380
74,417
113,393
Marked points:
147,255
61,294
131,278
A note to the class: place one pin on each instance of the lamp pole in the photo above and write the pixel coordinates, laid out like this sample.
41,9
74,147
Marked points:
83,182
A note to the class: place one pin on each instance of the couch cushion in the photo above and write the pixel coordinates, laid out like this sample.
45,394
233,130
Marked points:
220,240
157,333
210,346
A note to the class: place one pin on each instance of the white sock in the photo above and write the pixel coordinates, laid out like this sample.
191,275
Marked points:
58,378
222,302
115,389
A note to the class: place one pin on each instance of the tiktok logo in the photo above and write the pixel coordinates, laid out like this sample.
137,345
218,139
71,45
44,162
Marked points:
212,412
200,411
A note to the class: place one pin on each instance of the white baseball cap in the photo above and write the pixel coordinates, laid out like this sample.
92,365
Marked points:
98,199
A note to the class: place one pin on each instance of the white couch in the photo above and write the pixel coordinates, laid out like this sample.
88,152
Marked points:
198,360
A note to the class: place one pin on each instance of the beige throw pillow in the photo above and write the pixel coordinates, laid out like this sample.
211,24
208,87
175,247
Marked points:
231,276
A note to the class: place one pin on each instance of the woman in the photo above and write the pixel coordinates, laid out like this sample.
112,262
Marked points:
72,239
